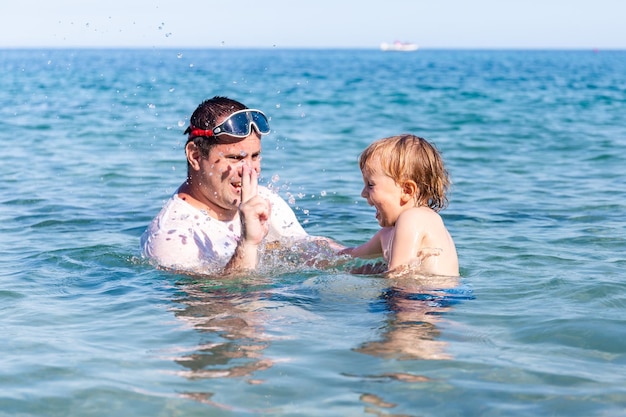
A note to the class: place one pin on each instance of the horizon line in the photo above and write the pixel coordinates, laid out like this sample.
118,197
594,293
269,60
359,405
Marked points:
367,48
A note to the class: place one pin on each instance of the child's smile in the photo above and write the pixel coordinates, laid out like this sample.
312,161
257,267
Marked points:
385,195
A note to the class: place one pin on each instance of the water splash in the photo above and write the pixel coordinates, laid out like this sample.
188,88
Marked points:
313,253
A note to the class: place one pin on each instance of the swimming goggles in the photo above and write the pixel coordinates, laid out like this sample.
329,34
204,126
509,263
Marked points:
239,124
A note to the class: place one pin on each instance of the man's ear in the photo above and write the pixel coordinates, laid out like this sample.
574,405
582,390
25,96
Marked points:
409,191
193,155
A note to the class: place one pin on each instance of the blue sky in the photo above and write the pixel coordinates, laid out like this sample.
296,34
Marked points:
581,24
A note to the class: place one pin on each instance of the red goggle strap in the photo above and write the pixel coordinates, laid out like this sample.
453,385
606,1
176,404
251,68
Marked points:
195,132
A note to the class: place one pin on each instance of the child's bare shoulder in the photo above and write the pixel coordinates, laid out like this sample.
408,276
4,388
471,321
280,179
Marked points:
420,214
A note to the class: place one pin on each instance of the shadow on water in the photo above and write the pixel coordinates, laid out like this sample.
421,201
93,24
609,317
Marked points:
238,319
413,308
233,319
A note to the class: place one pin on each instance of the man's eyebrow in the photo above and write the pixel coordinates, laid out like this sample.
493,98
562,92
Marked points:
240,154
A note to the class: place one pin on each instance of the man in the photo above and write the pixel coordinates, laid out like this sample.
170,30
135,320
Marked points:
219,217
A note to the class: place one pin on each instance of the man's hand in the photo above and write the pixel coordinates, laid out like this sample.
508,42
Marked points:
255,212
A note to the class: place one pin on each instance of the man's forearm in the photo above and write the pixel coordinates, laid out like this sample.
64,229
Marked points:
245,258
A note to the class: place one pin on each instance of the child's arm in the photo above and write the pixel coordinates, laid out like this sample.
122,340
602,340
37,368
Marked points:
370,249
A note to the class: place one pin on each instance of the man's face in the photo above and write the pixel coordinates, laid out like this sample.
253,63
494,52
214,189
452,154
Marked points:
220,174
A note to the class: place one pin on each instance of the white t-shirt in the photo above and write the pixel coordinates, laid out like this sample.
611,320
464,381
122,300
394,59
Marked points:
183,237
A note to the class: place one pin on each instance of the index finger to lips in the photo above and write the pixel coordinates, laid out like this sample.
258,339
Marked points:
249,183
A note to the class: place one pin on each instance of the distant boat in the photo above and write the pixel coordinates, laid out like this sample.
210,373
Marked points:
398,46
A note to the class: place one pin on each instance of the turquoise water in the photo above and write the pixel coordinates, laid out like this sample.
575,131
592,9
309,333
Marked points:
534,141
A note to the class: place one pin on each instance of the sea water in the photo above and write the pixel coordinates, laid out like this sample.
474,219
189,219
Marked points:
534,141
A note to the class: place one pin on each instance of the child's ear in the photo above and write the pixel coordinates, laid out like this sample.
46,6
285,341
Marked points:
409,191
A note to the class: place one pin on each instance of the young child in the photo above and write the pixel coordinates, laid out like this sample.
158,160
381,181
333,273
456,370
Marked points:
406,181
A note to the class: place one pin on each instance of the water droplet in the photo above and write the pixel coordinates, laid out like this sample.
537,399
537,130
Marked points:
275,178
323,193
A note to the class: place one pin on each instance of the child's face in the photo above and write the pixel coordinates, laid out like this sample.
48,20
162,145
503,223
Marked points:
382,192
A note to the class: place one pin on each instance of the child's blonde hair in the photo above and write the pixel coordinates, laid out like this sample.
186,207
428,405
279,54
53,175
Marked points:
411,158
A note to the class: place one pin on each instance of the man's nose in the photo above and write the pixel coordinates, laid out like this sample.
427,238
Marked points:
256,164
253,163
